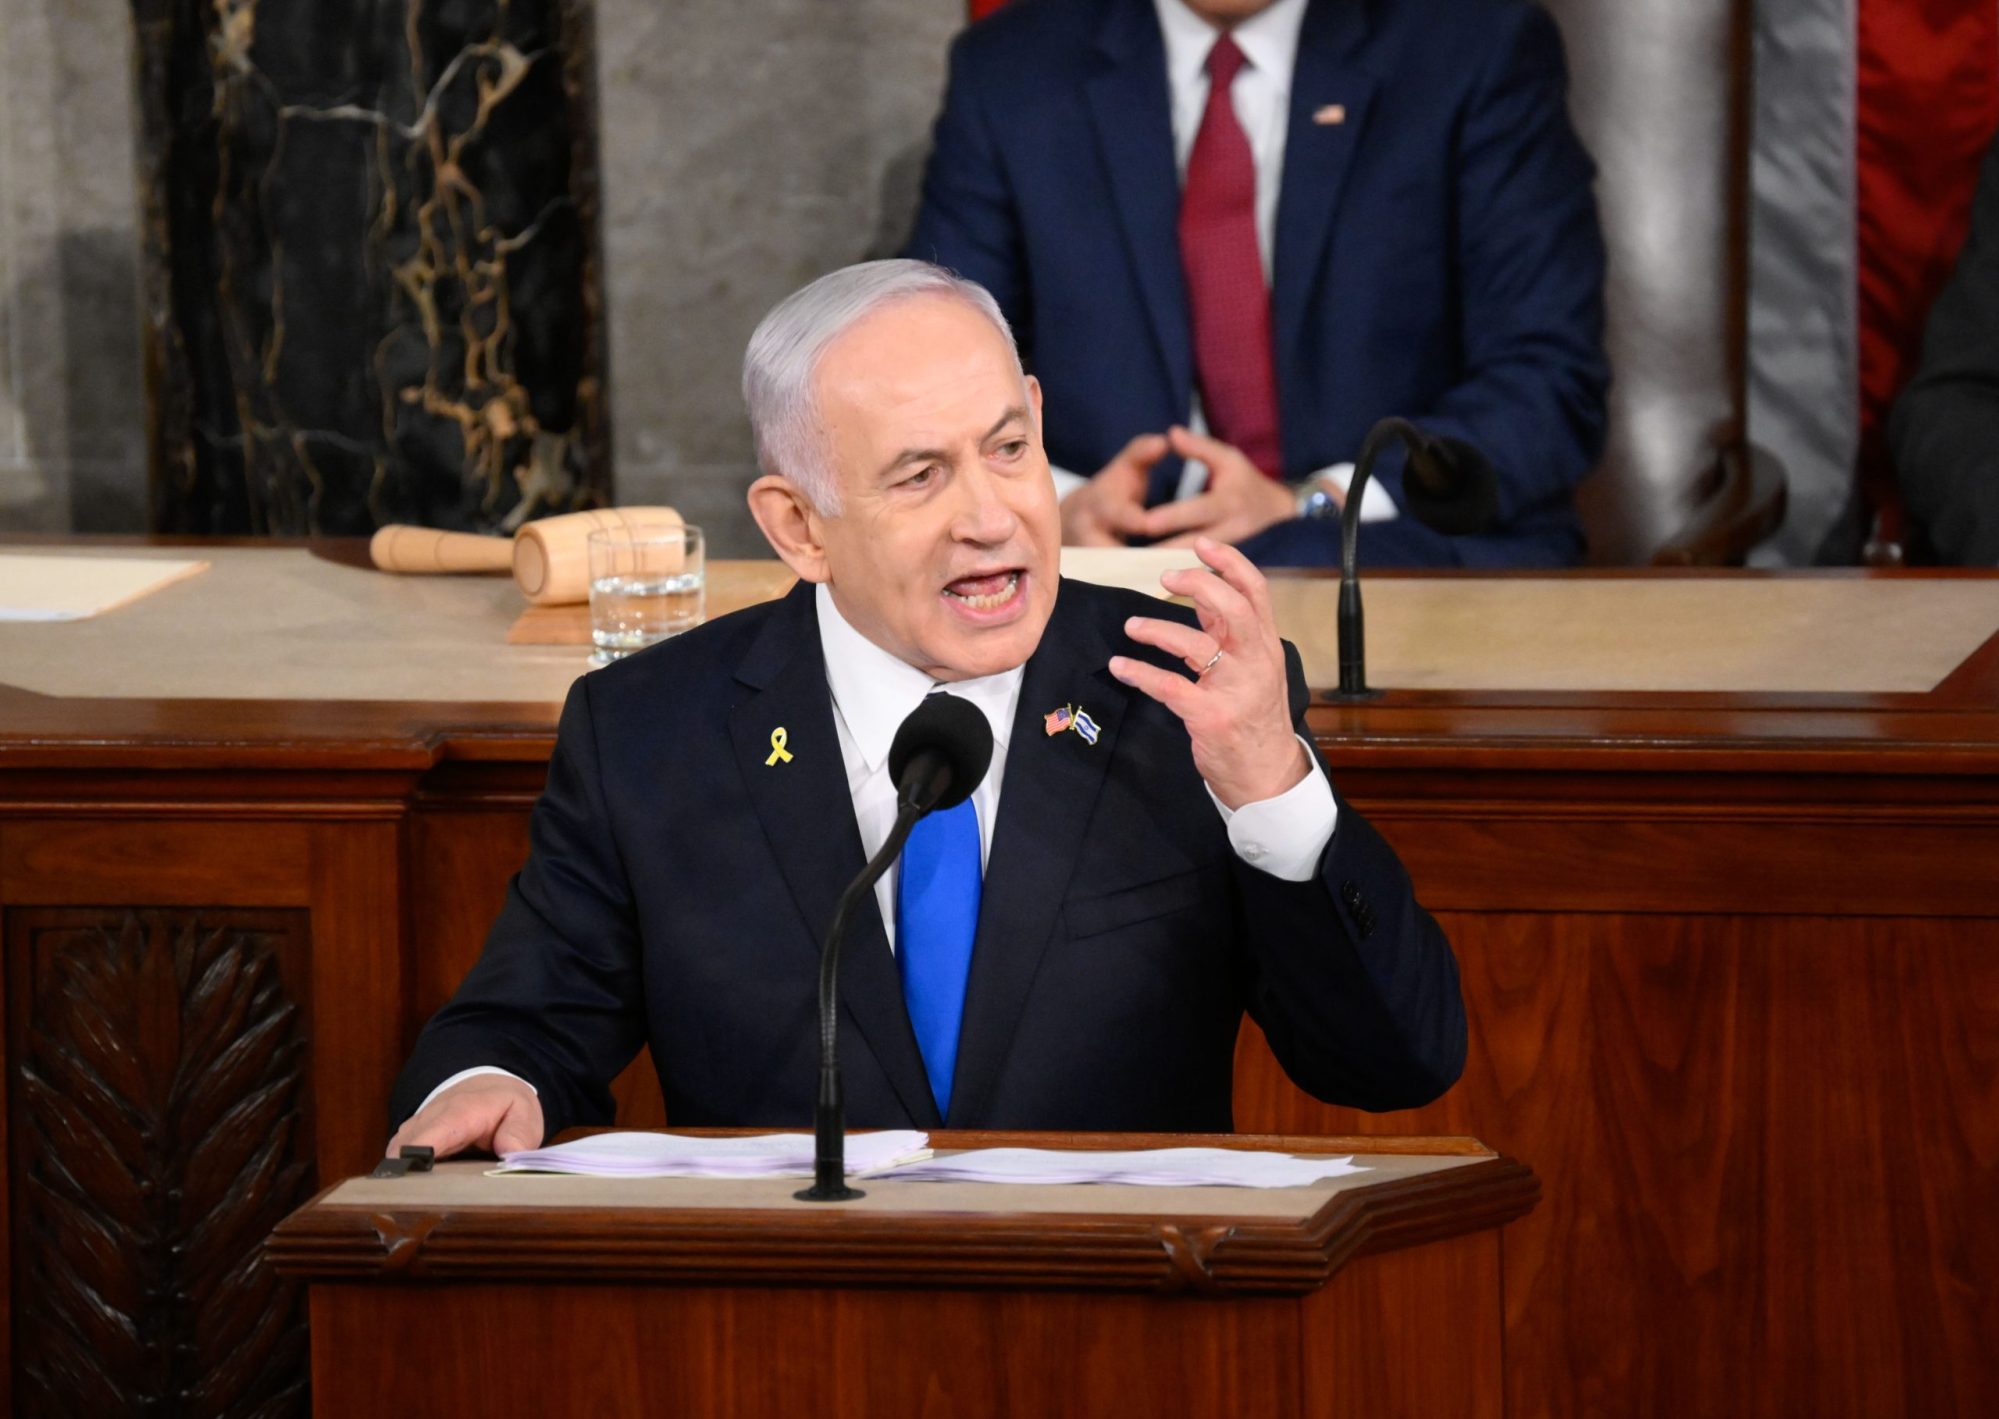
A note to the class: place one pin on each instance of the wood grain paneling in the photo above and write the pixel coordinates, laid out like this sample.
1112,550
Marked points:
1769,1147
113,859
357,964
859,1354
460,859
160,1129
1407,1332
1354,1367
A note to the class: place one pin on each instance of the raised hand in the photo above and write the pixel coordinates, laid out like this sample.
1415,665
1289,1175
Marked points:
1237,708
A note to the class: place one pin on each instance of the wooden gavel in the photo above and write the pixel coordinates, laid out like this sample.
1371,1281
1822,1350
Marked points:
550,559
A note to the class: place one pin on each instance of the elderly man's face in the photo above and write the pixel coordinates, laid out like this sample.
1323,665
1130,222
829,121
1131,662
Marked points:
945,551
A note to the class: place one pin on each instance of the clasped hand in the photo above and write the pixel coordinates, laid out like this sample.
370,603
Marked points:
1237,708
1238,502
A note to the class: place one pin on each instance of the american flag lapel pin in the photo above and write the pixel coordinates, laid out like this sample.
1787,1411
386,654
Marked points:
1086,727
1055,721
1330,115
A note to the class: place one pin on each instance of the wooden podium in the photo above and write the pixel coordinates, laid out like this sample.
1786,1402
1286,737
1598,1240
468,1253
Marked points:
1376,1294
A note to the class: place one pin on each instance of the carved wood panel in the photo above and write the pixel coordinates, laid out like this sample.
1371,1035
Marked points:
159,1128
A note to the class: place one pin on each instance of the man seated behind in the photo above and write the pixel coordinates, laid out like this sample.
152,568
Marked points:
1155,849
1239,232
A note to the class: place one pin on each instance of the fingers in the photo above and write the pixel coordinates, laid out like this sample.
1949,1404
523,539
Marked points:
1196,647
1222,458
1106,510
474,1114
1176,692
521,1128
1213,596
1189,515
449,1125
1239,572
1137,457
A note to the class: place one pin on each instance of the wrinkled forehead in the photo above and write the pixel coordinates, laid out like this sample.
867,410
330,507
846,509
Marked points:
927,371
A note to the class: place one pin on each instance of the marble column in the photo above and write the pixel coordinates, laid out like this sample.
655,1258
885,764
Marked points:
72,421
372,283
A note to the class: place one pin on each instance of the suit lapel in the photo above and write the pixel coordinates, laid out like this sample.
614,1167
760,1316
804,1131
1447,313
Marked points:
807,815
1046,801
1131,111
1316,159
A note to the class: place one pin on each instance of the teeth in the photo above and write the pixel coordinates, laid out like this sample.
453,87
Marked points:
987,603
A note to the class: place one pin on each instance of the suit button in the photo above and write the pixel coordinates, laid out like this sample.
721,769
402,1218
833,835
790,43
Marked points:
1350,894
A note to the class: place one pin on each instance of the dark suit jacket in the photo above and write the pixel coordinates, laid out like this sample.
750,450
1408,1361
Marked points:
1437,253
1945,427
678,887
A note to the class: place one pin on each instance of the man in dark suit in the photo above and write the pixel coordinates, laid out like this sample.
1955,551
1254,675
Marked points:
1945,427
1155,849
1283,221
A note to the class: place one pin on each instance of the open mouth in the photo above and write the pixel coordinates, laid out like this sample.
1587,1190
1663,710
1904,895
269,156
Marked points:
988,591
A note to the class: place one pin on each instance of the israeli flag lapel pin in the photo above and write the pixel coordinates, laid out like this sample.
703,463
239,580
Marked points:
1086,726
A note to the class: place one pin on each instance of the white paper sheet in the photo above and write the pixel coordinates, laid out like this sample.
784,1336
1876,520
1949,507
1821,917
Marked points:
675,1155
37,588
1151,1167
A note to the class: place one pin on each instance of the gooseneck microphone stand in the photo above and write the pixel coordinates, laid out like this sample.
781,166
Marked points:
1447,485
829,1166
1353,648
939,755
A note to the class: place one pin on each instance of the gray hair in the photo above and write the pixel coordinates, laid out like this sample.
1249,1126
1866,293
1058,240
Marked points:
783,358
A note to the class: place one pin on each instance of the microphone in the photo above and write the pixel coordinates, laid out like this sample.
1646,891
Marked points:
1448,486
939,755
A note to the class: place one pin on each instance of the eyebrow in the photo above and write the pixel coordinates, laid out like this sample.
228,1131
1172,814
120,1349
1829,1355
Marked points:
923,455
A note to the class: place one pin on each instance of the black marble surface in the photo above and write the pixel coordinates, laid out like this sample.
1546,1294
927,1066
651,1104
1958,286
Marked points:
373,284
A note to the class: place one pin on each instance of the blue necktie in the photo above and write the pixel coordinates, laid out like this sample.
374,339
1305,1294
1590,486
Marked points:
937,915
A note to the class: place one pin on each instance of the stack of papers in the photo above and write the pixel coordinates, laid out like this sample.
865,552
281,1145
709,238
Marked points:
673,1155
1151,1167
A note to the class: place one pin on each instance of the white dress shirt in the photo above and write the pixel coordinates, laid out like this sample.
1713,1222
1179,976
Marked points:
873,692
1261,94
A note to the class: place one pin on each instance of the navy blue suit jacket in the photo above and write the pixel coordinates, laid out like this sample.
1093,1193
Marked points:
678,887
1437,252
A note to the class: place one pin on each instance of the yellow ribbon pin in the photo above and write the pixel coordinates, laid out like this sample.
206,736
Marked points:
778,753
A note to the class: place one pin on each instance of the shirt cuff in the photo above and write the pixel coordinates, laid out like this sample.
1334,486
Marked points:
462,1075
1285,836
1375,503
1065,481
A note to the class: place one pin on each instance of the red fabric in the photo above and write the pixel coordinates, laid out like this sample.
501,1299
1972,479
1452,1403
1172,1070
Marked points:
1228,300
1928,102
982,8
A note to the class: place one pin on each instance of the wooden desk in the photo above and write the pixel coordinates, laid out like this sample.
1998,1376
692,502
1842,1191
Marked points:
1373,1294
1731,961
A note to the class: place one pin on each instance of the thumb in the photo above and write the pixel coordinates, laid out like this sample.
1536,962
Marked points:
1211,451
519,1128
1136,458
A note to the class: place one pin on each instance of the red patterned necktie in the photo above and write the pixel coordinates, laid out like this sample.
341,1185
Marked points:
1228,298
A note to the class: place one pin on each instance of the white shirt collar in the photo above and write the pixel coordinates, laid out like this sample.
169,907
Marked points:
1268,39
873,691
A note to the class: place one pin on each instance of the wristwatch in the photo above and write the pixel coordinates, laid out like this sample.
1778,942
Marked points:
1318,499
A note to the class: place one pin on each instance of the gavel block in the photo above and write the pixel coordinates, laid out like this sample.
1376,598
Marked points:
550,559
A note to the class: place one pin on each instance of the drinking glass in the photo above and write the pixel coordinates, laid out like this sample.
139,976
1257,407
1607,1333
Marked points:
644,587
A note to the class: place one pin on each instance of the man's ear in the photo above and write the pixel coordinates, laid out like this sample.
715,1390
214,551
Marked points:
1034,400
790,524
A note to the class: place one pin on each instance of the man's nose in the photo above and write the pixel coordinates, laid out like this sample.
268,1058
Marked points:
984,515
